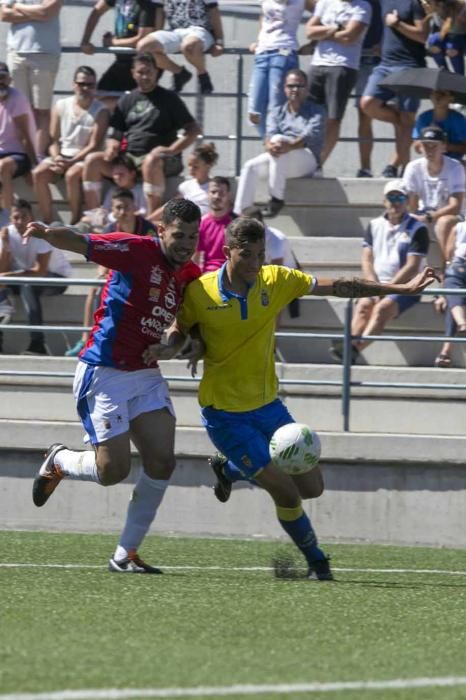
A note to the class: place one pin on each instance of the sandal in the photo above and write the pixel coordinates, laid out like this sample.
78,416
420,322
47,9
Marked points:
442,360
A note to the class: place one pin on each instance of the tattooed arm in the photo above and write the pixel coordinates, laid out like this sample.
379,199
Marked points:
354,288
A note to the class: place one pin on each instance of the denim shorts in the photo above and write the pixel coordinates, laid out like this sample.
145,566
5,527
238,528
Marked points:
373,89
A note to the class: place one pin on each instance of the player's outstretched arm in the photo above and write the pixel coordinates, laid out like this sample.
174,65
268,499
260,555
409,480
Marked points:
60,237
355,288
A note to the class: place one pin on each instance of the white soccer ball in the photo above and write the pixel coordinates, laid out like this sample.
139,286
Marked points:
295,448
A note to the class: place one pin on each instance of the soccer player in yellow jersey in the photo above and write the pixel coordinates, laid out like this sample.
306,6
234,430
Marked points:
235,310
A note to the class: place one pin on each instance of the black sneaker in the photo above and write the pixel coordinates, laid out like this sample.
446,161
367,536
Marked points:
319,570
364,172
273,207
205,84
132,564
222,488
390,171
48,477
35,349
336,351
180,79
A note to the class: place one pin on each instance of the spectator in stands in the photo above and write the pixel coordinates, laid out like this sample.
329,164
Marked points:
209,253
125,220
436,186
403,41
134,19
78,126
17,152
36,258
275,53
194,28
370,58
295,134
149,118
454,306
452,122
447,33
124,176
195,188
338,28
33,55
394,251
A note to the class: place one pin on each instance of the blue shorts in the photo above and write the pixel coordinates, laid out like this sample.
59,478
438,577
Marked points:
404,302
23,163
244,437
373,89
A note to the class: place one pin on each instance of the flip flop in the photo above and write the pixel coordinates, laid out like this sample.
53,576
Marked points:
442,360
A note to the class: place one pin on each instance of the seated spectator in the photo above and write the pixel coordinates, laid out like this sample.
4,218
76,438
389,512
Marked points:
452,122
36,258
338,28
436,186
405,32
17,153
126,220
394,250
77,128
33,55
447,33
133,20
124,176
454,306
194,28
149,118
209,254
277,247
295,133
275,53
200,162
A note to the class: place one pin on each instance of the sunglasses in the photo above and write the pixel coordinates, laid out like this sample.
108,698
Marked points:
394,198
83,84
298,86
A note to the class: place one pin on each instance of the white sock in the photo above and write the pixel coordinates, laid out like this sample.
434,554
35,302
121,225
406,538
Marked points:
78,465
145,500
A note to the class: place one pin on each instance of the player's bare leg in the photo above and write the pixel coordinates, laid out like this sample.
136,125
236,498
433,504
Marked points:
153,434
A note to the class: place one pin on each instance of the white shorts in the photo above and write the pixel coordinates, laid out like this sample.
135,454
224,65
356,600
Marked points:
107,399
172,40
34,75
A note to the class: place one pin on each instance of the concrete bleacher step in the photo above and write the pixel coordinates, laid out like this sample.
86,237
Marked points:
383,408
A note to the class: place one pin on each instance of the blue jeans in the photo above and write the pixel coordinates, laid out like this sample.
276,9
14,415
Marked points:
266,86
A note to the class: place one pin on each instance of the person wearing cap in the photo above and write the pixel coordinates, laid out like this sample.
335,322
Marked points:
436,185
17,153
394,250
452,122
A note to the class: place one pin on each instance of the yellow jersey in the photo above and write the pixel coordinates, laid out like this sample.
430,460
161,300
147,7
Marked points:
239,364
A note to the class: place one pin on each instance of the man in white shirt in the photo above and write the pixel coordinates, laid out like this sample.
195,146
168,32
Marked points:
36,258
394,250
338,28
436,185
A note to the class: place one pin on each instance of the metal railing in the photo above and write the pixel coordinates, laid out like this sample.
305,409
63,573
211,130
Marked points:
346,383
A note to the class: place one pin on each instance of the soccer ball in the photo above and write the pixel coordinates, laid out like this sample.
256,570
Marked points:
295,448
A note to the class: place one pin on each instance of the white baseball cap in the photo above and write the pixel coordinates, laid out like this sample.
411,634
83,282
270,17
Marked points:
395,186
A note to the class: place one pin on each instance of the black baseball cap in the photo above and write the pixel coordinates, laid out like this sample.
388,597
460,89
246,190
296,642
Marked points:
433,133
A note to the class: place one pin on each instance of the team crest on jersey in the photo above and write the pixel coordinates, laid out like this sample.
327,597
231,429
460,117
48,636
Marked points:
154,294
265,301
246,461
156,275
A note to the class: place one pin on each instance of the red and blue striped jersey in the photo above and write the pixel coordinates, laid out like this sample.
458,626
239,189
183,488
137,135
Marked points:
139,300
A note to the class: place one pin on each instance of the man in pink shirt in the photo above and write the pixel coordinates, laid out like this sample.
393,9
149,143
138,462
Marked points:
209,254
17,153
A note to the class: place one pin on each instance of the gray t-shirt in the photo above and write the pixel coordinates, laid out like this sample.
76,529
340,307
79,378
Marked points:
35,37
333,53
309,123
